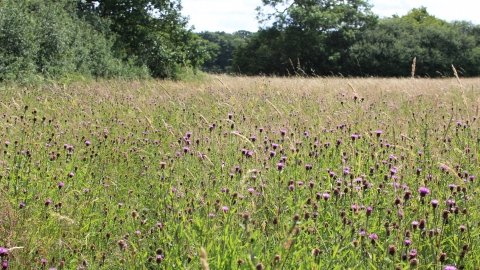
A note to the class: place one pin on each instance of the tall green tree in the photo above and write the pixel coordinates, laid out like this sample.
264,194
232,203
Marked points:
389,48
150,32
313,35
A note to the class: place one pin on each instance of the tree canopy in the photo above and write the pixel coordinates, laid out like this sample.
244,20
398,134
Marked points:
143,38
311,35
322,37
104,38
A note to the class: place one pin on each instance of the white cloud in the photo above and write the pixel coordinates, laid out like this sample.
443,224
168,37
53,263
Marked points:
234,15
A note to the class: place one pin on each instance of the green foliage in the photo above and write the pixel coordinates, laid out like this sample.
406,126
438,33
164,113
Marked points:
45,39
314,34
220,47
58,39
336,37
150,33
419,16
390,47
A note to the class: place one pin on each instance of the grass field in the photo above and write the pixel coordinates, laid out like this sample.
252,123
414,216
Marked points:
241,173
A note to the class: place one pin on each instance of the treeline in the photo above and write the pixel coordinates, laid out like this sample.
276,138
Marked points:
320,38
104,38
150,38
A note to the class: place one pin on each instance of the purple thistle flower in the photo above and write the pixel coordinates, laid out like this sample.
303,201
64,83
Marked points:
424,191
450,202
355,136
413,253
407,242
71,174
369,210
87,142
326,196
3,252
434,203
224,209
450,267
48,202
415,224
22,205
373,236
280,166
60,185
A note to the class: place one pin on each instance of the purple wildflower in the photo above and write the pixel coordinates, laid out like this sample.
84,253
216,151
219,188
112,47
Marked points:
424,191
3,252
280,166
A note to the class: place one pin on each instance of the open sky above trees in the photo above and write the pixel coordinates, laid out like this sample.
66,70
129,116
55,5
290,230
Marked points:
233,15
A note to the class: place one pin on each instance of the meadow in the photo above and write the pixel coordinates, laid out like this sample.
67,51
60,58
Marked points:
241,173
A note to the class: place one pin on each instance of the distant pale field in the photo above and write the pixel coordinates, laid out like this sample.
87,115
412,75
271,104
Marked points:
241,173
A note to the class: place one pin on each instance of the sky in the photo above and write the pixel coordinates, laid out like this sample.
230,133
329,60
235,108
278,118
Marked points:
234,15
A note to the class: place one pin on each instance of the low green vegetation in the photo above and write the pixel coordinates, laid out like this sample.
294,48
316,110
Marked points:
241,173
